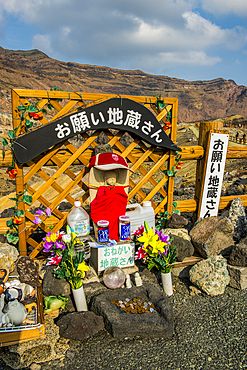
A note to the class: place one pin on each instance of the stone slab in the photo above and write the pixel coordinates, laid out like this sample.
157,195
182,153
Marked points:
238,277
147,325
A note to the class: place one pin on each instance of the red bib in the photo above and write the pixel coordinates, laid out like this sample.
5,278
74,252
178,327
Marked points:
109,203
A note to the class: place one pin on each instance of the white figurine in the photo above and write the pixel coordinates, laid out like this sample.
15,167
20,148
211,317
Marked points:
138,279
128,282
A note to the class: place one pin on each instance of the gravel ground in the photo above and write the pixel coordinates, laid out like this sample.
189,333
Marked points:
210,333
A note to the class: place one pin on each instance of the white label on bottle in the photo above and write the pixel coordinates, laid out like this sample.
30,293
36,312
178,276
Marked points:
80,227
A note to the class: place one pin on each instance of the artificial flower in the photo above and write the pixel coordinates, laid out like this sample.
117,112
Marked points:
55,260
140,254
37,220
139,231
39,212
82,267
147,238
66,238
162,236
156,250
17,220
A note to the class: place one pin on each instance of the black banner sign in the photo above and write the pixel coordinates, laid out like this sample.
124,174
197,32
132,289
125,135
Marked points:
117,113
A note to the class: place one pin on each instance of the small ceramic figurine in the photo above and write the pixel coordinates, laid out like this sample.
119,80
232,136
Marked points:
128,282
138,279
15,313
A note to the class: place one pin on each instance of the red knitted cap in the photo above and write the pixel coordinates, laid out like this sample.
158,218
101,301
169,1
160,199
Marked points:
108,161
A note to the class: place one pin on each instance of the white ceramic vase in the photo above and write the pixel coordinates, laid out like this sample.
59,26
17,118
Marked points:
80,299
167,283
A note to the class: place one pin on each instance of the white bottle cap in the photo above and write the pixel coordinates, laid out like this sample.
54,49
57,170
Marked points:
77,203
147,203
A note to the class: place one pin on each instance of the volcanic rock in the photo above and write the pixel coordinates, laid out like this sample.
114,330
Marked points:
210,275
129,325
212,236
80,325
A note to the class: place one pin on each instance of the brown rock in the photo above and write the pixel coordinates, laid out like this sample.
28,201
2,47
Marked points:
212,235
28,271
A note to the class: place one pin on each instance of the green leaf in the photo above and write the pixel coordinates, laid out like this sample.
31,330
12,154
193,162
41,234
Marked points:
4,141
9,223
28,124
11,134
12,238
177,211
49,106
20,213
175,204
32,109
27,199
169,173
3,154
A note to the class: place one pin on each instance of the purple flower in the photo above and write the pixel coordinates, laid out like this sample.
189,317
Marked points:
59,245
39,212
47,248
164,238
48,212
37,220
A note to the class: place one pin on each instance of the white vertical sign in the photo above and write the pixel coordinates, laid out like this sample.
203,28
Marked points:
214,175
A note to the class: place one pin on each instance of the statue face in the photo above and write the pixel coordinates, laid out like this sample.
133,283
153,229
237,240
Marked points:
111,178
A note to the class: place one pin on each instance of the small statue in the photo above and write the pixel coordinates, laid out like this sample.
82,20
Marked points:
128,282
138,279
108,184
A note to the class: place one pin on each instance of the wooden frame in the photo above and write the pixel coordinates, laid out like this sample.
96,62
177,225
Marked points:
136,153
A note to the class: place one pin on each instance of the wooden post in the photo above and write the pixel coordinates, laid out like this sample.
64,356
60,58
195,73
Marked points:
19,179
204,130
170,185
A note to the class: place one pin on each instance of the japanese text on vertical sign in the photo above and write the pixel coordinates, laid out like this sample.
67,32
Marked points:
214,175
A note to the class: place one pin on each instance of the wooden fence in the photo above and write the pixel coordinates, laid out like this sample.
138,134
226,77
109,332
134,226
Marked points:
138,153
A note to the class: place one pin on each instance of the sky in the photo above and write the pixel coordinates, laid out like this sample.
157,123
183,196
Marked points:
186,39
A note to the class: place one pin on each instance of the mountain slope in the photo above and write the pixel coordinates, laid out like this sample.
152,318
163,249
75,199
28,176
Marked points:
198,100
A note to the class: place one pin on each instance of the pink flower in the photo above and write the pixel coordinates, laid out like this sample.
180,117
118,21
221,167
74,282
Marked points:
37,220
48,212
54,260
140,254
39,212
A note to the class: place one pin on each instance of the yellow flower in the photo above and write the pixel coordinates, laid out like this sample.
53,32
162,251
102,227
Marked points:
52,238
148,238
82,267
158,247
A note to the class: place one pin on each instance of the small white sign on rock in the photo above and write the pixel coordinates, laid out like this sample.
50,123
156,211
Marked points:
214,175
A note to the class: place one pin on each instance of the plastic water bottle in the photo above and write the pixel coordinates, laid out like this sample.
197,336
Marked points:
78,220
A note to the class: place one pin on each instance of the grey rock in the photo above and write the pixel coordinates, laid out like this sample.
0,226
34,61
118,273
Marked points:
177,221
210,275
238,277
147,325
80,325
238,256
238,218
212,236
184,248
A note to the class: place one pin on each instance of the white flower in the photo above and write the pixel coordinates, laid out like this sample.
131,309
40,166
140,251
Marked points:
66,238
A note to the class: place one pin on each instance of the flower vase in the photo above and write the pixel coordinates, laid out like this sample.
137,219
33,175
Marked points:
167,283
80,299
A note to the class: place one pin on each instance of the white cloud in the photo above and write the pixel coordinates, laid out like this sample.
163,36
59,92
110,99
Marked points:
129,34
238,7
42,42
